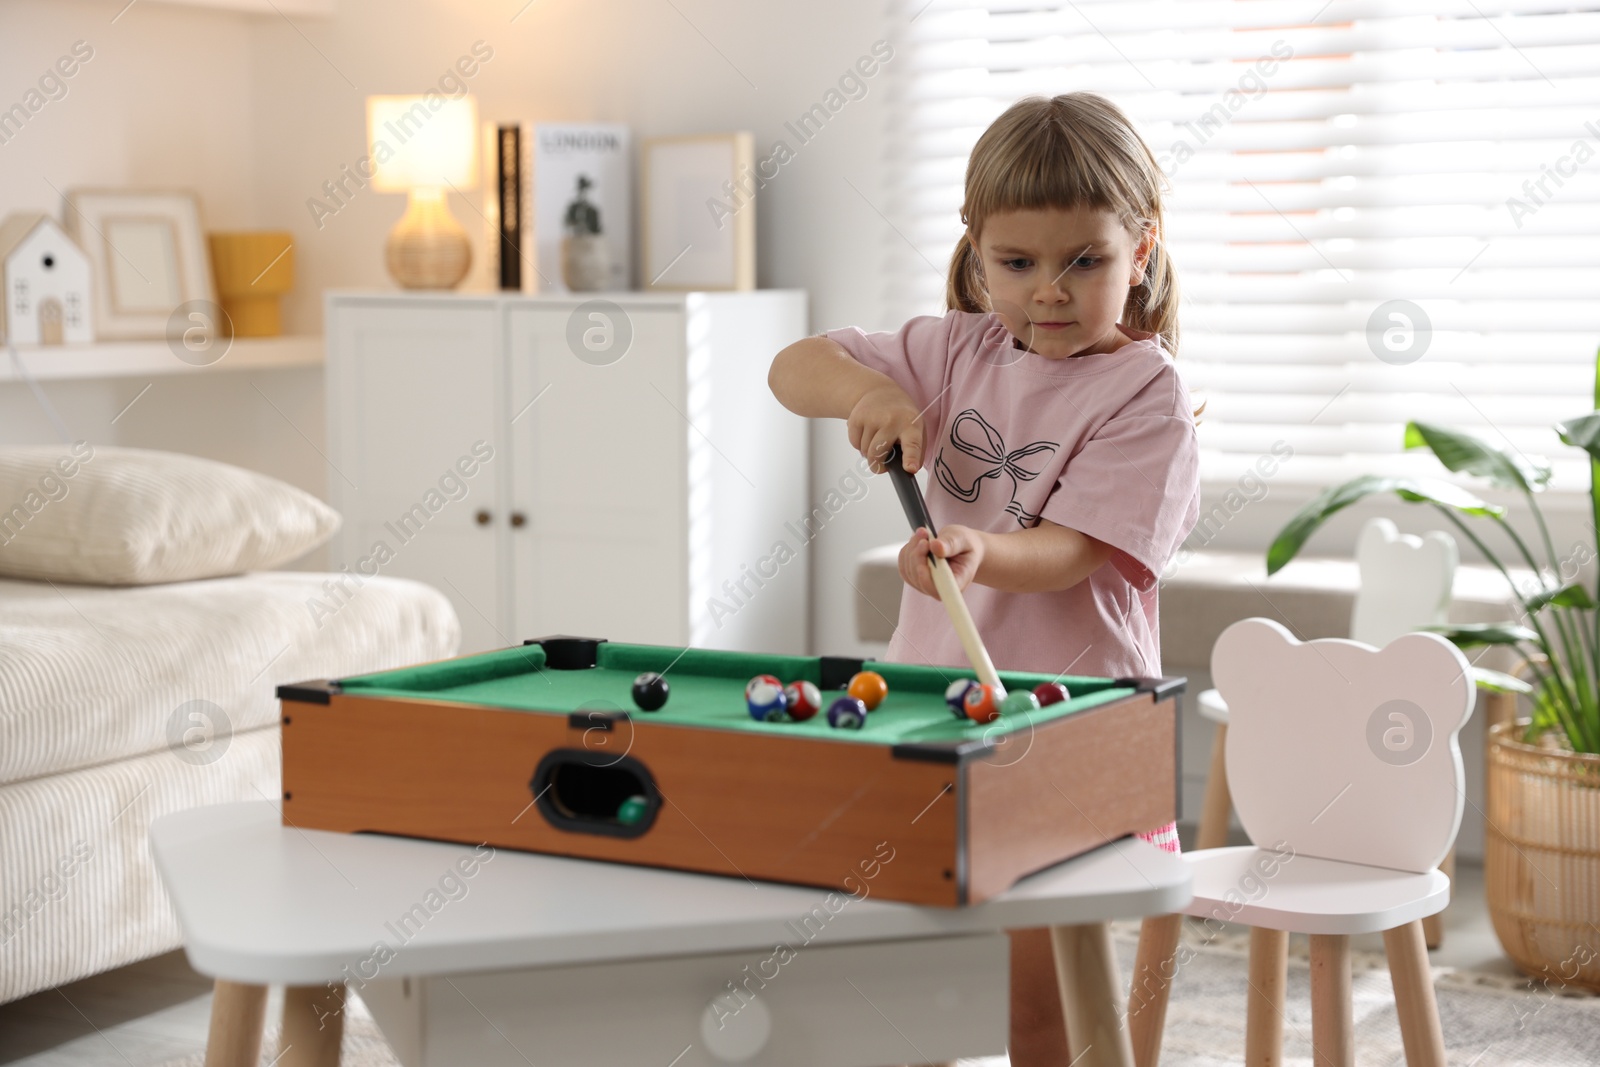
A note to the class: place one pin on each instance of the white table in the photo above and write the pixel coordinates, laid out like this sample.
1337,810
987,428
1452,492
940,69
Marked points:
524,959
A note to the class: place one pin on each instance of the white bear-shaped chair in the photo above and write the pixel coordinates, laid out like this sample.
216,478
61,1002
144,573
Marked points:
1404,585
1347,776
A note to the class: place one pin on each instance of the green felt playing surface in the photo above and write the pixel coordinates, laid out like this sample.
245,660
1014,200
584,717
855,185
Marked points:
707,690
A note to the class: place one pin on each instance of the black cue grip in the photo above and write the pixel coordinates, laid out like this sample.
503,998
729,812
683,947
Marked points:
909,492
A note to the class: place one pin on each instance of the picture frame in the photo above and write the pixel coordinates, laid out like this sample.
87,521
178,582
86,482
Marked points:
695,234
147,250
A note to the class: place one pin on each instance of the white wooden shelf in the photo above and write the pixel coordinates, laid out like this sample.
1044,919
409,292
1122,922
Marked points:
130,359
314,8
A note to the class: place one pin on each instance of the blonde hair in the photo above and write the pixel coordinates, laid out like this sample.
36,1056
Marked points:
1067,151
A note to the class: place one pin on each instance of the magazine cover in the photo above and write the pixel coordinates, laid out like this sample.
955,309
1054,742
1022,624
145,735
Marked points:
582,206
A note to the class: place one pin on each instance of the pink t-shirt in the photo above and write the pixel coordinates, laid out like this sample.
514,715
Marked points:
1104,444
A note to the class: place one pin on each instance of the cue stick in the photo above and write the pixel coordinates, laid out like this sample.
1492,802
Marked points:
944,580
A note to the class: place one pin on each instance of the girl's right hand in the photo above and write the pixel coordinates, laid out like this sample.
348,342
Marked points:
881,417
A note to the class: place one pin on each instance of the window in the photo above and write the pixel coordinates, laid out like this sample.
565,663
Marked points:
1378,210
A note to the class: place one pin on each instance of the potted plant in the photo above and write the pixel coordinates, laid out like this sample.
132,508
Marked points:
1542,826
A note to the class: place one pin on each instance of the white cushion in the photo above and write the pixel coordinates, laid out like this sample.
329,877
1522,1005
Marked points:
126,516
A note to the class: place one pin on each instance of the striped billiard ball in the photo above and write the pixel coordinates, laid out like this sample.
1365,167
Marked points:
847,713
769,679
766,701
804,699
955,695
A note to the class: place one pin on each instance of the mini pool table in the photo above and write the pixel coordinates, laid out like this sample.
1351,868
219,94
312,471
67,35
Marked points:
541,748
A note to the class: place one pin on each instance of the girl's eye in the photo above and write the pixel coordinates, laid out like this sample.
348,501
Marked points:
1012,264
1086,262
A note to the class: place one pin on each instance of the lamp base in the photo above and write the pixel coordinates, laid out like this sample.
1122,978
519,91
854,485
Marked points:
427,248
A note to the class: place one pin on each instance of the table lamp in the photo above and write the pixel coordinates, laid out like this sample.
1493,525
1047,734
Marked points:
424,146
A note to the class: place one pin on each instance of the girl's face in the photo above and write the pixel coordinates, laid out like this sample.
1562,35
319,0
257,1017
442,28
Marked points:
1058,279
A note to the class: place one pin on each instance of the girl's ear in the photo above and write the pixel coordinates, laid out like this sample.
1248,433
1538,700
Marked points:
1141,256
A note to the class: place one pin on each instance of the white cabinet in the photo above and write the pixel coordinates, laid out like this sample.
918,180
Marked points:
611,465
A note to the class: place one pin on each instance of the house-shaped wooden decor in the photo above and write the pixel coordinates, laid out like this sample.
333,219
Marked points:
46,283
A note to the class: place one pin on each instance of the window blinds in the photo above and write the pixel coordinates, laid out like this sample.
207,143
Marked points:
1378,210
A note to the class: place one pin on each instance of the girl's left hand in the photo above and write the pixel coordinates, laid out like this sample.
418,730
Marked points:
962,546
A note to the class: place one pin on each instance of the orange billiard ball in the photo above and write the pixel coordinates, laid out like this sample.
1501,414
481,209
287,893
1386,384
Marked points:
983,703
869,688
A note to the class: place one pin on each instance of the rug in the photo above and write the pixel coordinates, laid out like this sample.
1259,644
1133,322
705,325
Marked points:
1488,1020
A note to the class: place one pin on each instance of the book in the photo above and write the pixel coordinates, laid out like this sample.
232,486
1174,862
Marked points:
582,176
508,237
508,173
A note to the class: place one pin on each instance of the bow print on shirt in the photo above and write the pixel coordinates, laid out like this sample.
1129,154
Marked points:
972,434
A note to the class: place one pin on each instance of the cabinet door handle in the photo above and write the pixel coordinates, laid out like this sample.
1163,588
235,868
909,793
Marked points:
483,517
518,519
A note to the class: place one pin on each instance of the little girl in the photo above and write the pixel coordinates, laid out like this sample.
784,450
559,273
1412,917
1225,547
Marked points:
1062,442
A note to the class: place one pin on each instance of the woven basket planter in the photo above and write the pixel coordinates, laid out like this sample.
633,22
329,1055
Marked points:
1542,857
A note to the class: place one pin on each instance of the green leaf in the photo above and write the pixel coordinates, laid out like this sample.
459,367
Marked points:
1571,595
1498,681
1478,634
1464,453
1582,432
1414,490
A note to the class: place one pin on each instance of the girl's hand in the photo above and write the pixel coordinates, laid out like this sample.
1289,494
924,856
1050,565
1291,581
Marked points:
881,417
962,546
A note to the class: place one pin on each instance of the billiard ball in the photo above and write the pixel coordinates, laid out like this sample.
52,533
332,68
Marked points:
847,713
768,679
632,811
869,688
1019,702
650,691
767,702
955,695
982,703
804,700
1051,693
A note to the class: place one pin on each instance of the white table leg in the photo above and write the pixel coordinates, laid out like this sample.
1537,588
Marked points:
238,1012
1086,970
313,1026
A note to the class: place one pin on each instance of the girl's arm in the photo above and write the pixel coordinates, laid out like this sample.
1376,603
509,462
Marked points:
1043,559
818,379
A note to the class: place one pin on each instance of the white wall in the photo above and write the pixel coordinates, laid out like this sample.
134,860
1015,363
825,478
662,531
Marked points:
167,100
719,65
255,113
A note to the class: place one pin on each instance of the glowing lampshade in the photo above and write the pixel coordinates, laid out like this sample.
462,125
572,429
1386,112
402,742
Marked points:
425,146
433,139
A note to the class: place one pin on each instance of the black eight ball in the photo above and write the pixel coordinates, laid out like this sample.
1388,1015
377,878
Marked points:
650,691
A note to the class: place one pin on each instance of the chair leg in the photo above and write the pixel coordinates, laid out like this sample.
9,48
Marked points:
238,1013
1153,970
1218,806
1413,996
1332,1014
1269,975
313,1026
1086,970
1433,925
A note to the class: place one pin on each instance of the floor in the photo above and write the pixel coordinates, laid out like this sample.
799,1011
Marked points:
150,1012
